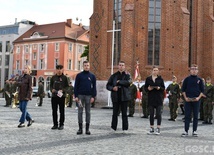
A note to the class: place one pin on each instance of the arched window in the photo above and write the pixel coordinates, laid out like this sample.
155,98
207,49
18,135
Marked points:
154,26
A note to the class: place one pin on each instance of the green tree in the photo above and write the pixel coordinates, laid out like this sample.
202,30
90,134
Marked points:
86,52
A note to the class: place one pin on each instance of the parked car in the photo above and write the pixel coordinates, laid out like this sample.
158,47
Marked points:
35,90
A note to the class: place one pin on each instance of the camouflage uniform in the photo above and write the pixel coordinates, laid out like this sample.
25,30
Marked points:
7,93
70,93
174,94
144,102
133,92
207,103
13,92
40,93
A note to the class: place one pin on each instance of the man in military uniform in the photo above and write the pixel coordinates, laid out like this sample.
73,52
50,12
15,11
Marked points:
7,93
144,102
70,93
174,94
41,93
208,101
133,92
14,93
202,104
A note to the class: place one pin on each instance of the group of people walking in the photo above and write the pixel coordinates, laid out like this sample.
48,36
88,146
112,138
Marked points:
193,91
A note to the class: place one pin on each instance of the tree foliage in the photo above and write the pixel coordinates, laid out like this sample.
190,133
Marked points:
85,52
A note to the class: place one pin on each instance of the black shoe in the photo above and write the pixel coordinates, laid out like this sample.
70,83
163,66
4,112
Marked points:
6,105
30,122
39,105
61,127
210,122
130,115
200,119
54,127
87,132
170,119
205,122
144,116
21,125
79,132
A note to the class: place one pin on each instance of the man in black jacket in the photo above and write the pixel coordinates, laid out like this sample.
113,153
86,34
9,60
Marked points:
58,87
118,84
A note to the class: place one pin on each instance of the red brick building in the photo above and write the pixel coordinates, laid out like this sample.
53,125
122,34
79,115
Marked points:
44,46
171,34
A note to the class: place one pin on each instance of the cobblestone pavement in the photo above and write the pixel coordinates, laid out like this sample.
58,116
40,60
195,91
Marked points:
39,139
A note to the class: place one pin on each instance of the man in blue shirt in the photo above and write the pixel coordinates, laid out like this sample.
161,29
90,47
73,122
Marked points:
85,93
192,88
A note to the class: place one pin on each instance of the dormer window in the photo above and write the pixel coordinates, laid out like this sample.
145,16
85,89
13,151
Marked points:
35,35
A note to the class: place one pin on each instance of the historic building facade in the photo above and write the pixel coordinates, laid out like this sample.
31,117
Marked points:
9,33
44,46
171,34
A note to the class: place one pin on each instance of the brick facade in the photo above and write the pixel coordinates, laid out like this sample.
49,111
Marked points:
176,50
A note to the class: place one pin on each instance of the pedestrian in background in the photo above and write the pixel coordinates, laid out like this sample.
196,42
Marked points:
155,87
131,105
201,108
58,87
119,84
70,94
208,101
24,84
40,93
144,102
85,92
192,89
173,91
7,93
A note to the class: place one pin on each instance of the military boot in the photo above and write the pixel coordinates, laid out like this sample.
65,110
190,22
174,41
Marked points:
79,132
87,129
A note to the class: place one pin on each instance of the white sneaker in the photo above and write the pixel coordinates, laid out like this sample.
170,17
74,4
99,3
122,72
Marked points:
194,134
185,134
157,131
151,131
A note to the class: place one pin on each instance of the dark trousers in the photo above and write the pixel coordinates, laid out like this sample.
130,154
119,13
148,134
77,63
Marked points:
55,102
116,106
40,100
189,108
159,110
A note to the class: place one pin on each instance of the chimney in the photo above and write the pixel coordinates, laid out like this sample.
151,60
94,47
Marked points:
69,22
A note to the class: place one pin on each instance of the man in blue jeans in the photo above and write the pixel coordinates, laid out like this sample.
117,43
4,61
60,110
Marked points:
192,88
